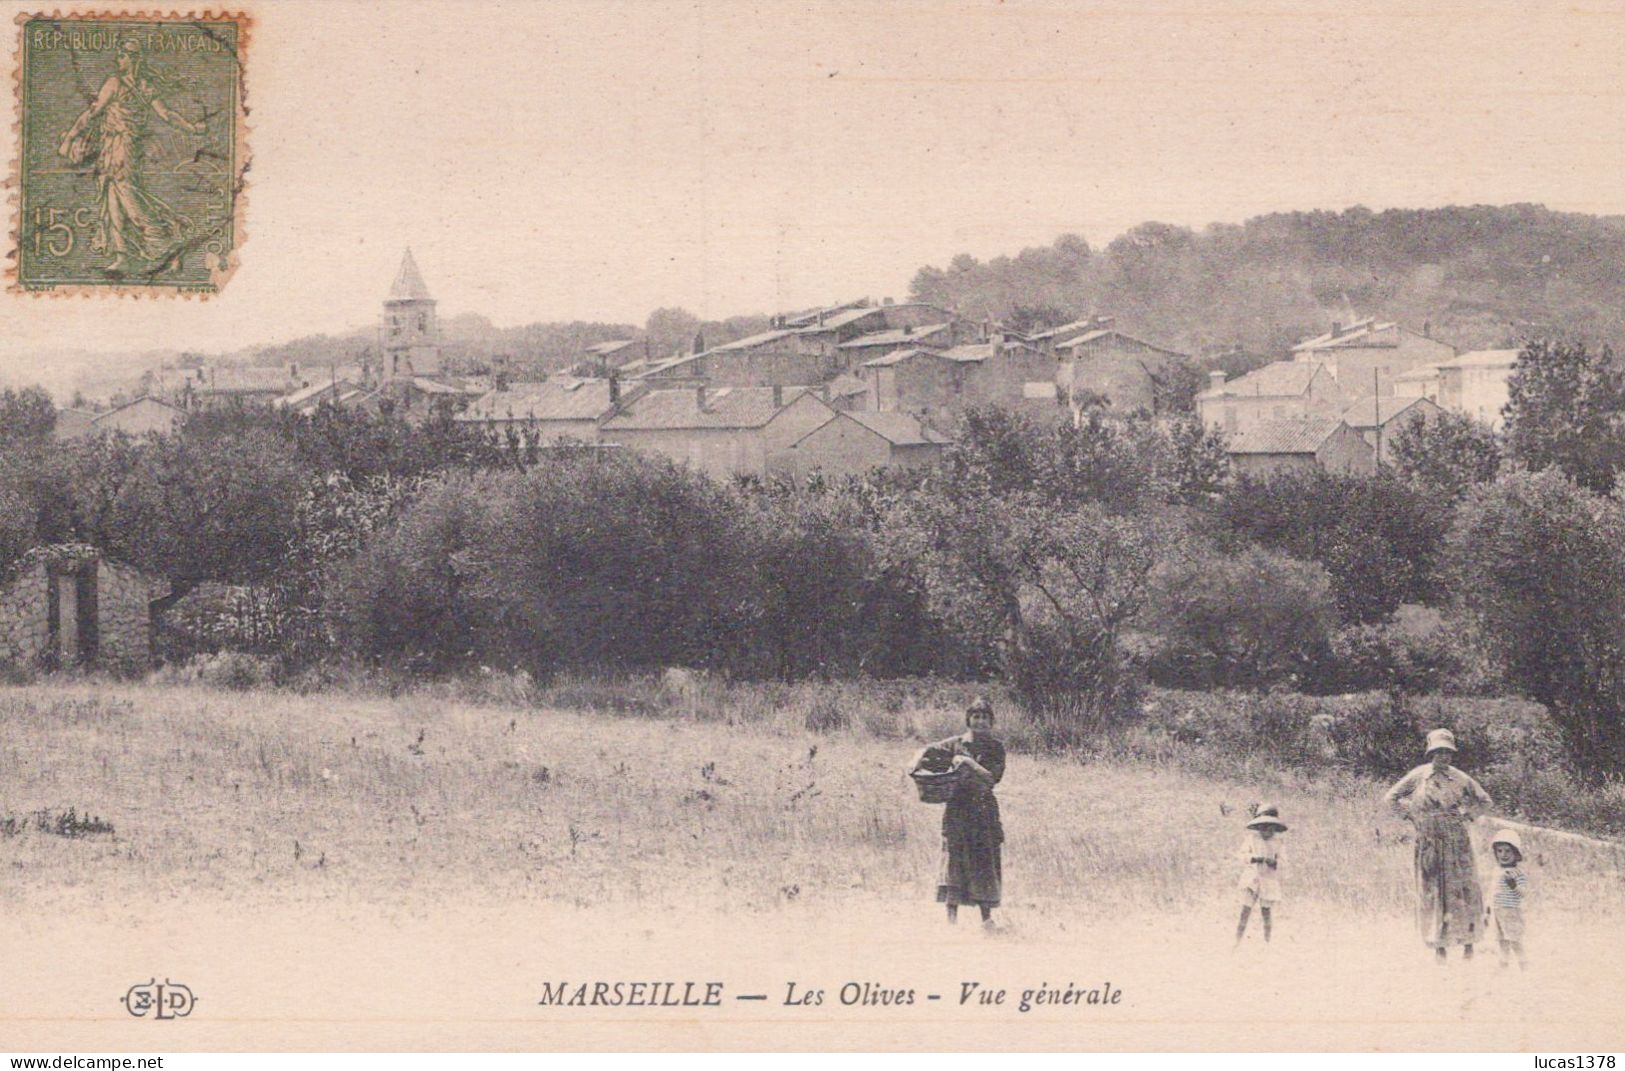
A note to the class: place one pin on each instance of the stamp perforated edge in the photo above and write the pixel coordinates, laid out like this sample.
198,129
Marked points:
239,180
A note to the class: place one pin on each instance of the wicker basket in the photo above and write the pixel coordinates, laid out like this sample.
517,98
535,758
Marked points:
935,787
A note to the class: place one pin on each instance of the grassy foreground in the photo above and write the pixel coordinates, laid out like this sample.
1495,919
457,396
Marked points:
268,794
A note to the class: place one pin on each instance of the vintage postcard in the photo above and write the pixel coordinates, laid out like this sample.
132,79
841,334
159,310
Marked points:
130,163
820,526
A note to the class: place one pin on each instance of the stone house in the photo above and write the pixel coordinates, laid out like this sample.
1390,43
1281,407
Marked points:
1284,390
203,388
1420,382
937,386
1284,445
616,354
798,351
846,391
1365,356
307,399
721,431
1122,369
72,423
1475,384
139,417
1379,420
561,407
879,343
66,605
829,331
781,357
856,442
1051,337
418,399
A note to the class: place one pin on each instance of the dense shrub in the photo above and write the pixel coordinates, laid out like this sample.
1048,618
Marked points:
1411,656
828,602
1048,591
1379,538
1246,620
1447,454
1123,464
236,670
1377,734
619,563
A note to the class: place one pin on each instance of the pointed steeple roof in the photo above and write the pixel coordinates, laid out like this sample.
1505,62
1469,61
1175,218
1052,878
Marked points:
408,284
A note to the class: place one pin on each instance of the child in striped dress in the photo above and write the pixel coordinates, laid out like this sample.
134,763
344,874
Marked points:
1506,896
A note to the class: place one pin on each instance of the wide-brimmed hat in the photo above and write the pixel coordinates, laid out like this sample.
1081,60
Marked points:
1441,740
1509,837
1267,817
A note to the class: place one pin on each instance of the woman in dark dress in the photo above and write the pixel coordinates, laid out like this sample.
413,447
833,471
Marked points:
971,834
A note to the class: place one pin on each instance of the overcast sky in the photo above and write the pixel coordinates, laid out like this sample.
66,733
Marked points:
551,161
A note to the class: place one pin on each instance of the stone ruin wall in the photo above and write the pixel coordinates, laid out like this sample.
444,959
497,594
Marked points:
123,625
124,622
25,635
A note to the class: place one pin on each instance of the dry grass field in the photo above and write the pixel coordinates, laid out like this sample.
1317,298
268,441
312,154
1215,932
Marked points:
426,833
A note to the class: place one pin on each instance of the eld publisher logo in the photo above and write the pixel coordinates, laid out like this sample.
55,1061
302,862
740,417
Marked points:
162,1000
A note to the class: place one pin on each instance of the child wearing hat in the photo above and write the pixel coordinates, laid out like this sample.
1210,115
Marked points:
1260,883
1507,895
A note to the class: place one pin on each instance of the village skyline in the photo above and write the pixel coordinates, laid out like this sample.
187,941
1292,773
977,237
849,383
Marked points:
771,160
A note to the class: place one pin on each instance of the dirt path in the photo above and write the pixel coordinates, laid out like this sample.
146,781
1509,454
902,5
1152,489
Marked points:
469,975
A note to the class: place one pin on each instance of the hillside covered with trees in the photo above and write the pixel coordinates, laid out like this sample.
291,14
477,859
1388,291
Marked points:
1481,276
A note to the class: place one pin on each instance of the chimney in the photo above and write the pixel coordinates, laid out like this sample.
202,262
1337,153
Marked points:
820,317
614,389
1427,328
1337,328
908,329
987,327
778,397
887,301
699,396
293,370
1215,379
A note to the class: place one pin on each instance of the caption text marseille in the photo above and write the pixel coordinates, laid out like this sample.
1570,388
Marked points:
851,994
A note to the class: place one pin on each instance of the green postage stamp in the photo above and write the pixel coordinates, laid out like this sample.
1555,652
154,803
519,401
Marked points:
129,169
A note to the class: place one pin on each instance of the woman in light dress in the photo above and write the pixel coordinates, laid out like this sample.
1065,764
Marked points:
1441,801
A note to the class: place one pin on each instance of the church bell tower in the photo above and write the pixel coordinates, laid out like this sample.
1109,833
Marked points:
409,334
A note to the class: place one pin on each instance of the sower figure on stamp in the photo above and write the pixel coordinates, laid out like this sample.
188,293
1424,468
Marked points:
1440,801
972,836
111,133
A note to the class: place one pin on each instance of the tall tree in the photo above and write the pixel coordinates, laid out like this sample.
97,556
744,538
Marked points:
26,415
1448,454
669,331
1538,562
1564,411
